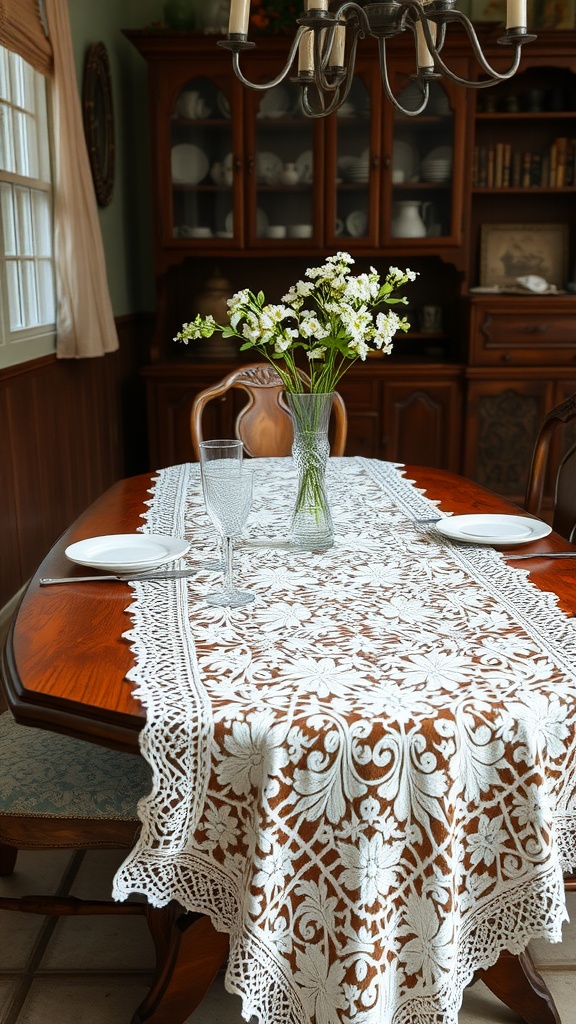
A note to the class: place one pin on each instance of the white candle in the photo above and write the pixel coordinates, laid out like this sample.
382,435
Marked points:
424,56
516,14
338,47
306,51
239,17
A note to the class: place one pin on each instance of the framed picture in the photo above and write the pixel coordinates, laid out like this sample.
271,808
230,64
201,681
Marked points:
509,251
551,14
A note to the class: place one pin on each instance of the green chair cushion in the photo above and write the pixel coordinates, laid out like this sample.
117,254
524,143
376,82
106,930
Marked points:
46,774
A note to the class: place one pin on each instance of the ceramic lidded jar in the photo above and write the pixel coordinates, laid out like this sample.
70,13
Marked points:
213,301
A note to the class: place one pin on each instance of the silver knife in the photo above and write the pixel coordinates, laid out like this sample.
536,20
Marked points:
170,574
544,554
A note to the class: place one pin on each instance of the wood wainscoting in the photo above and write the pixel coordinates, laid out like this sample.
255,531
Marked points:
68,429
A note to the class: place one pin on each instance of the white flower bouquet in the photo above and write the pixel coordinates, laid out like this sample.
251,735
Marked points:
333,316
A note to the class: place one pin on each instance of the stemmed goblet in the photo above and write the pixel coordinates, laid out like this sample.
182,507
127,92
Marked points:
229,453
228,498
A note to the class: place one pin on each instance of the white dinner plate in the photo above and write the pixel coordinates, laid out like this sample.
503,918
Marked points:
190,164
357,223
493,529
127,552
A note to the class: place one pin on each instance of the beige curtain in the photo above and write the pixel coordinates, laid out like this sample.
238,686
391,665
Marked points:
85,321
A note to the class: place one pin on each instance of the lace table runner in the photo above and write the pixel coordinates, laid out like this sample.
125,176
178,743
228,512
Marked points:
368,776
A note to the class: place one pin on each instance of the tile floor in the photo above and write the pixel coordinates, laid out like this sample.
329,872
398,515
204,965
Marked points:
96,970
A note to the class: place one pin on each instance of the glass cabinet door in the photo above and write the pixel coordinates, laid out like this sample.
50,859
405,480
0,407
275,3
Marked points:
354,217
281,207
424,163
202,164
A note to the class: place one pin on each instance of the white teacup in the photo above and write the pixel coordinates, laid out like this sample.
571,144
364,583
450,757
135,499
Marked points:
199,232
276,231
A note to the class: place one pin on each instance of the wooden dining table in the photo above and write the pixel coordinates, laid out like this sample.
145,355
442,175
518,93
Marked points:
67,658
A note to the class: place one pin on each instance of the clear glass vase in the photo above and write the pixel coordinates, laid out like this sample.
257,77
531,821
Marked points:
311,528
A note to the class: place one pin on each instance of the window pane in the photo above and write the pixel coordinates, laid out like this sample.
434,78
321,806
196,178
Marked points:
27,280
4,74
14,303
7,162
30,312
23,221
8,226
46,297
42,223
17,80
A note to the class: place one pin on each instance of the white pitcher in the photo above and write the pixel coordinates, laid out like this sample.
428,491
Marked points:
407,219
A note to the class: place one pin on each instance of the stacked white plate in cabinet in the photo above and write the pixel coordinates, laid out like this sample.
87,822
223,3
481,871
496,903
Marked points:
359,170
437,165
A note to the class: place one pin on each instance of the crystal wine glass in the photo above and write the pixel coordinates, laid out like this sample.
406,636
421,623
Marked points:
230,452
228,498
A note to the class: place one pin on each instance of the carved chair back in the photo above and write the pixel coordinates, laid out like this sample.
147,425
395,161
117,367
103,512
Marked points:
562,469
263,424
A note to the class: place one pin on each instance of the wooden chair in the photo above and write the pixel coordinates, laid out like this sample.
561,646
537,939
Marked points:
57,792
264,424
564,472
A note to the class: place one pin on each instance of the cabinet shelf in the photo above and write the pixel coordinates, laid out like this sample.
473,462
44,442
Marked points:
526,115
525,190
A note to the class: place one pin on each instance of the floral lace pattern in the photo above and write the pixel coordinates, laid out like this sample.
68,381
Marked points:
367,776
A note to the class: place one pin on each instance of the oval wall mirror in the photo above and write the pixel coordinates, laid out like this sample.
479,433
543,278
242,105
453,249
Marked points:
98,114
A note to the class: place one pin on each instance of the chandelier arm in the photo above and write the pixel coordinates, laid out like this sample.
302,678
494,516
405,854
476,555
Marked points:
279,78
340,83
495,76
387,87
349,7
324,110
322,49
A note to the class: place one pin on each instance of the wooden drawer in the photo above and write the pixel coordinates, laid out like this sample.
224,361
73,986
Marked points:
526,333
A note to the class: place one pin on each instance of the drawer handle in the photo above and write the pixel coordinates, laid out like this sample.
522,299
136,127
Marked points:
537,329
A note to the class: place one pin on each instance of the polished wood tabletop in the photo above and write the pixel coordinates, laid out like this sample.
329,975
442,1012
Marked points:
65,659
65,663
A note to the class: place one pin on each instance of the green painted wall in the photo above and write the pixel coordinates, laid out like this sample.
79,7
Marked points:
126,222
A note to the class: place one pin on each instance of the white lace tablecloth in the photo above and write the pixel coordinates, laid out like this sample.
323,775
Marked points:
368,776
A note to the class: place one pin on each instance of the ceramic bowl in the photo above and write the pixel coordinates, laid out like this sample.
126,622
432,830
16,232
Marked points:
300,231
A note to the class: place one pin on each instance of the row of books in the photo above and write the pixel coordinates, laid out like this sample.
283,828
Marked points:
500,166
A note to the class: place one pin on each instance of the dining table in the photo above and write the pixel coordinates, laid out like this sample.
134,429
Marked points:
366,778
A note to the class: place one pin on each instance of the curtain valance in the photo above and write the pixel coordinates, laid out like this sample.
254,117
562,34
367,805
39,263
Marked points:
24,30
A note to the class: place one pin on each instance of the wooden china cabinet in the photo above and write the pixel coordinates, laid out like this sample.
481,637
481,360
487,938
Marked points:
248,189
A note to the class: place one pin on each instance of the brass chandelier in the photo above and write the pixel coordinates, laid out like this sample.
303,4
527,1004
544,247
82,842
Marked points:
323,51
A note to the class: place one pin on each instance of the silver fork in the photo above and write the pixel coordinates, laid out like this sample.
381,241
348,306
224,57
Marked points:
421,525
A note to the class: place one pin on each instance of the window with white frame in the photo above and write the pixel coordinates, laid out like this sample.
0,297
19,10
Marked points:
27,290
